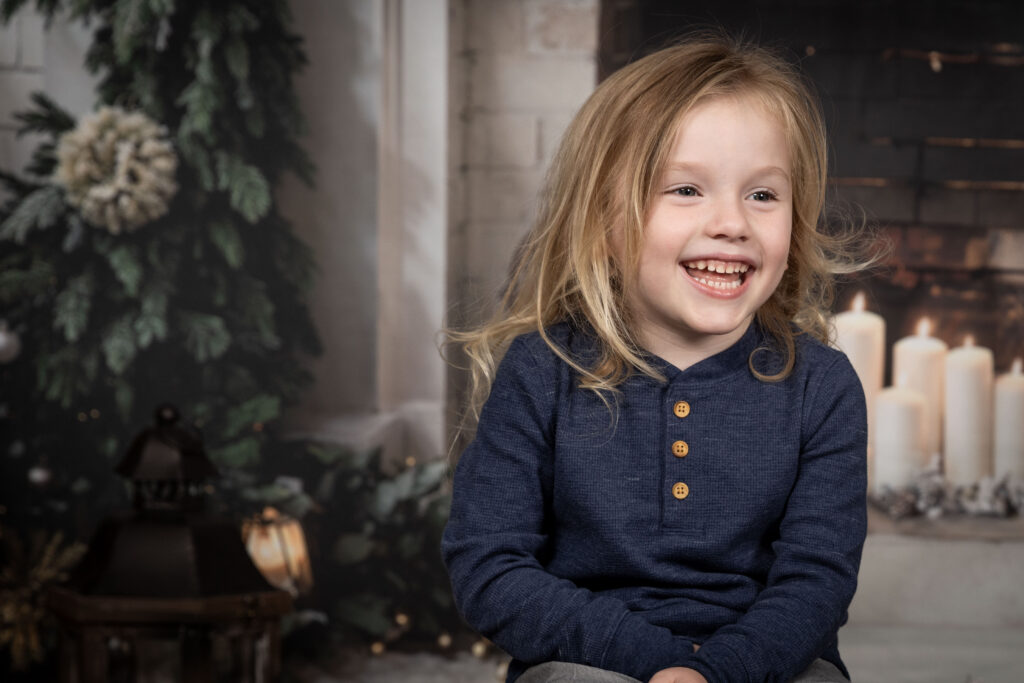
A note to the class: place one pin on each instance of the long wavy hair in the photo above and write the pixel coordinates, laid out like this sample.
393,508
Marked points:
603,179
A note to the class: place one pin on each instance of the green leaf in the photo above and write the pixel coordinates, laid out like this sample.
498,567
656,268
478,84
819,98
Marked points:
236,54
206,335
247,188
118,344
225,237
126,23
352,549
241,453
127,267
259,408
151,324
39,210
71,309
200,102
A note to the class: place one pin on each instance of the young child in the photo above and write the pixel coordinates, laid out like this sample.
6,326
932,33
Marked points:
668,477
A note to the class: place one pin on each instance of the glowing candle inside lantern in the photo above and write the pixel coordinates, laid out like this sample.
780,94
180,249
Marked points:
1009,424
860,334
899,438
920,359
968,426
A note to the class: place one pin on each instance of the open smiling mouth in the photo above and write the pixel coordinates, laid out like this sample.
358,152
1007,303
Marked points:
720,275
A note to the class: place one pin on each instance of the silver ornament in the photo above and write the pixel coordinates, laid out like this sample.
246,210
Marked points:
10,344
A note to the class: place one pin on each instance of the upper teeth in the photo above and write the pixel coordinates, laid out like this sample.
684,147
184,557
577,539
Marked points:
718,266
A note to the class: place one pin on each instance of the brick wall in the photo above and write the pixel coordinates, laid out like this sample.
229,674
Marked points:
21,73
923,103
524,68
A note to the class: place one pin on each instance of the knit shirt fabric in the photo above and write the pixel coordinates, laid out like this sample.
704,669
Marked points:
567,541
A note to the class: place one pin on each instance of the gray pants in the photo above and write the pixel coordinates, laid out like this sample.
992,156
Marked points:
820,671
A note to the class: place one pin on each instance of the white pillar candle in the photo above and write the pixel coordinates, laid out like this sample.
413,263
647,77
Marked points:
1009,427
920,360
968,420
860,334
899,437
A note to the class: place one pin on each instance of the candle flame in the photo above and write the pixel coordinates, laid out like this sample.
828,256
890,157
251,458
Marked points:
859,303
1017,369
924,327
969,341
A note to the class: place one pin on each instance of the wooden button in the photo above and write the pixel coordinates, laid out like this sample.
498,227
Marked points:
680,449
680,490
681,409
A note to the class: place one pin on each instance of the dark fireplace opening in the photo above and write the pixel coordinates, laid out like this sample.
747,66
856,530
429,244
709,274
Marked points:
925,107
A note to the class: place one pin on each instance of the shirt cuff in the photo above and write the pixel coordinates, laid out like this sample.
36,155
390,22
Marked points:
641,649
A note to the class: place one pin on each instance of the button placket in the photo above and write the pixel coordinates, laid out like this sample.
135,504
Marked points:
680,449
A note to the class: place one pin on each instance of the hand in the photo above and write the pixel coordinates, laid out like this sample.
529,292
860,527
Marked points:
678,674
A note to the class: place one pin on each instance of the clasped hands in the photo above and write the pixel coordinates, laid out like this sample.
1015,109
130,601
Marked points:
679,674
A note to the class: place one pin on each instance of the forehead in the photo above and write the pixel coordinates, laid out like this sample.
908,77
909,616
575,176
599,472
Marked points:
743,126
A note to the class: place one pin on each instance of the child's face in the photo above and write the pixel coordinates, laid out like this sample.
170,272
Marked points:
717,235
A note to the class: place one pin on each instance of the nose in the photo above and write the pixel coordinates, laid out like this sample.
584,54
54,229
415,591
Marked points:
729,221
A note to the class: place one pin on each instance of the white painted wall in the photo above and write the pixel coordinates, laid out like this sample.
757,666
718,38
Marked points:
340,95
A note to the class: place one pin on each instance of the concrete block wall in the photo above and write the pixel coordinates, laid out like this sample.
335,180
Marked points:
524,68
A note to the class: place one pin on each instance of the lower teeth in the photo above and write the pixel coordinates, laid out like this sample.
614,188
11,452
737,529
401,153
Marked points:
719,285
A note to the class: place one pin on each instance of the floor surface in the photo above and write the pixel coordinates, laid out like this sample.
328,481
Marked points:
874,654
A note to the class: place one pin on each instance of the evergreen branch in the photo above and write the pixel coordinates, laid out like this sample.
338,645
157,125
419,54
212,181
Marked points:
128,22
71,309
47,118
151,324
206,335
248,189
43,161
225,237
259,408
257,311
19,284
119,347
41,209
127,268
236,55
64,373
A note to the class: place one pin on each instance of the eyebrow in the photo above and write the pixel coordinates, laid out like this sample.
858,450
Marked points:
763,170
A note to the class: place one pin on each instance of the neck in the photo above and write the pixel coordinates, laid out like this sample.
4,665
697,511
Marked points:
681,353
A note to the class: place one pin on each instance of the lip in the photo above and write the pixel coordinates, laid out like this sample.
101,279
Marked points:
714,292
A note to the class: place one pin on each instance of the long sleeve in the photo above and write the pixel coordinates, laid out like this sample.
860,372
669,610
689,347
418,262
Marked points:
499,531
817,553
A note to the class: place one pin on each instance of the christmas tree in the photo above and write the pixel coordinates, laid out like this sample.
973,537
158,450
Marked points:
143,260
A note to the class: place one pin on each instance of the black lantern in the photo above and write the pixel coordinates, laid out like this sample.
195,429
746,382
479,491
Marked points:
167,571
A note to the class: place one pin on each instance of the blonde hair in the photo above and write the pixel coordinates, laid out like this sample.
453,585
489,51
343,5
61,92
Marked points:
603,178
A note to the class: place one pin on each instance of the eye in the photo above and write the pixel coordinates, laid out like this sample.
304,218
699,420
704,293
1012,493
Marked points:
763,196
685,191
